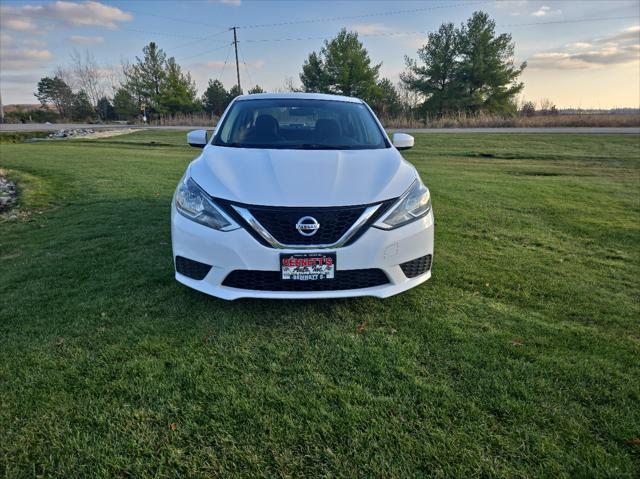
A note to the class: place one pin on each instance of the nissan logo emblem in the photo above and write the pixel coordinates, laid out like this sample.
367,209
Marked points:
307,226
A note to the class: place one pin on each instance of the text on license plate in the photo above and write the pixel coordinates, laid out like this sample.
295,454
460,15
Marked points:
308,266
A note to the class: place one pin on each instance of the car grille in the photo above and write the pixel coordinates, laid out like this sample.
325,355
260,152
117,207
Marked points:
191,268
272,281
281,221
417,266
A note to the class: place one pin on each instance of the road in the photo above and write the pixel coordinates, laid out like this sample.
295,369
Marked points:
7,127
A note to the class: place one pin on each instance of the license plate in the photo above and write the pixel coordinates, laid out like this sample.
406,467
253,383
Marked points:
308,266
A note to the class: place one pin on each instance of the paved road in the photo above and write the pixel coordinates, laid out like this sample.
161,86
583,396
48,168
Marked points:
564,130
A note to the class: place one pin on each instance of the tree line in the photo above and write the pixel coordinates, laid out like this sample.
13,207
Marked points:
466,69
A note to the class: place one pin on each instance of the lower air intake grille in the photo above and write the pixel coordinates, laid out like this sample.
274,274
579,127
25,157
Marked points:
192,269
416,267
272,281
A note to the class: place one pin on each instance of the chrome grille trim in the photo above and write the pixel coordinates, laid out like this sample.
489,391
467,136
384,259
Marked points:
268,237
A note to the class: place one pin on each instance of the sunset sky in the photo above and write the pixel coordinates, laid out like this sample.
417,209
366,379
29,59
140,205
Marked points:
580,53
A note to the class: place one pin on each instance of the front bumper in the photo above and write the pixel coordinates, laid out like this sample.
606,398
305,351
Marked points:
238,250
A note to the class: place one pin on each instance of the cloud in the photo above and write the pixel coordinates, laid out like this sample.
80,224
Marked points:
369,28
545,11
619,48
579,45
19,24
32,18
21,59
235,3
82,40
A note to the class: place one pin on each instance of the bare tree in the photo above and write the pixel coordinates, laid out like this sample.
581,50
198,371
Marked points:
409,99
66,75
88,75
290,85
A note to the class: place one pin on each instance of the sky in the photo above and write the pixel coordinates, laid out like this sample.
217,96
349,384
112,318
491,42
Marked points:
580,53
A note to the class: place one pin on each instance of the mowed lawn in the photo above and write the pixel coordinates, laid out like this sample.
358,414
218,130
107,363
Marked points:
519,358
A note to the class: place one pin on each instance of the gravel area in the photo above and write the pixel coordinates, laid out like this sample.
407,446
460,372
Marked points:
8,193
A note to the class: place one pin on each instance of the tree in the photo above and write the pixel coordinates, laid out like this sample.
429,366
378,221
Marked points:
81,108
125,105
343,67
105,109
234,92
466,69
528,109
145,77
177,92
486,69
387,102
56,92
87,75
256,89
437,77
215,98
312,76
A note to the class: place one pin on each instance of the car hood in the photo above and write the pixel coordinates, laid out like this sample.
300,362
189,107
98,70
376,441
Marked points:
302,177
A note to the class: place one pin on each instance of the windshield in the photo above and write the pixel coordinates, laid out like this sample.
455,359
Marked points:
300,124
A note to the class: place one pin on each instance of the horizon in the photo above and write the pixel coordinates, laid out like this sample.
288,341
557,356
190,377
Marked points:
580,55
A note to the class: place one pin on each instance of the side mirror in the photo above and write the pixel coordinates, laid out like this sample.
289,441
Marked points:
402,141
197,138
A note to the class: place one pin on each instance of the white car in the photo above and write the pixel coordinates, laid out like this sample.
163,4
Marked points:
301,195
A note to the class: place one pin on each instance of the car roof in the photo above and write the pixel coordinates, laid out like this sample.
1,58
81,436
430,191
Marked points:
298,96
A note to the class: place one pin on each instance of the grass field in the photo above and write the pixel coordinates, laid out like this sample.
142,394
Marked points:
520,358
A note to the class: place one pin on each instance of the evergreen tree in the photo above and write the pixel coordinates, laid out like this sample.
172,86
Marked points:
312,75
177,92
125,105
56,92
81,108
342,67
487,72
234,92
215,98
144,79
256,89
387,101
437,78
105,109
466,69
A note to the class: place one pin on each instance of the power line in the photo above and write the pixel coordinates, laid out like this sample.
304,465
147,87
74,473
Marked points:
246,68
173,19
207,38
579,20
366,15
204,53
176,35
225,63
404,33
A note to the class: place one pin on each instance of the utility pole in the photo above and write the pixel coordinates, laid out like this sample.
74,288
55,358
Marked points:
235,44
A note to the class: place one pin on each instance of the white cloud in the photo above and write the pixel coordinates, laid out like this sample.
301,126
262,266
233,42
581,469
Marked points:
74,14
619,48
579,45
235,3
20,59
20,24
369,28
545,11
82,40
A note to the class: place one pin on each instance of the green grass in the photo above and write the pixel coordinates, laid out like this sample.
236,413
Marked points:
519,358
21,136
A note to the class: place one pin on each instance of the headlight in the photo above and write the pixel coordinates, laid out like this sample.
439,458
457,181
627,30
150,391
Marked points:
414,204
195,204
